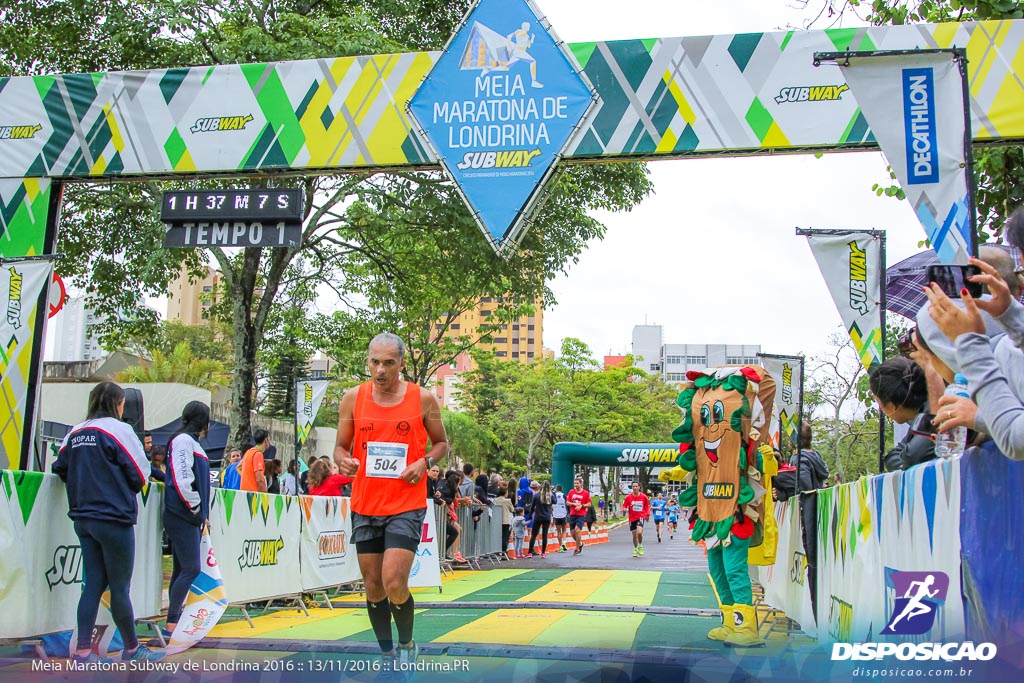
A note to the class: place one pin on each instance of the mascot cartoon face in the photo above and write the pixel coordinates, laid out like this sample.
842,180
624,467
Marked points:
715,437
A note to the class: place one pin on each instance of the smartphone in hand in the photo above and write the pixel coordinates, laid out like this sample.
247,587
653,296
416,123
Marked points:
951,279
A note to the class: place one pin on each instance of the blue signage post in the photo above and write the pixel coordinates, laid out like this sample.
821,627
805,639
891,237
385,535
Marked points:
498,109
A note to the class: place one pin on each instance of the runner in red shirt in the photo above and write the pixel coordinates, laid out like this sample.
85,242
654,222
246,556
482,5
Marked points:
639,507
577,501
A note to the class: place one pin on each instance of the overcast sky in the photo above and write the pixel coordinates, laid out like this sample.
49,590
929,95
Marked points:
741,211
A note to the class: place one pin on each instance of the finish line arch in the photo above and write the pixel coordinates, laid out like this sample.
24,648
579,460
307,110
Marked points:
674,97
566,455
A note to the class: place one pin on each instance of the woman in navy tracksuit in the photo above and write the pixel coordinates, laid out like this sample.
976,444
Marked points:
186,505
104,466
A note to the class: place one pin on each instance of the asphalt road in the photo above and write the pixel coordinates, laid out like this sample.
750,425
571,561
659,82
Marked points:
617,553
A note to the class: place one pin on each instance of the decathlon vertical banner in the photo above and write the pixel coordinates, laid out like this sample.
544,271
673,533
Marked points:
204,604
21,284
914,104
788,372
851,263
426,568
327,556
256,535
309,394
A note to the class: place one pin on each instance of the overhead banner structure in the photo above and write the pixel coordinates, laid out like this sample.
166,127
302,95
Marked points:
852,264
21,286
309,394
915,104
498,109
789,374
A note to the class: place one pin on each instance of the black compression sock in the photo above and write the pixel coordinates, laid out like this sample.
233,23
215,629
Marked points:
380,620
404,615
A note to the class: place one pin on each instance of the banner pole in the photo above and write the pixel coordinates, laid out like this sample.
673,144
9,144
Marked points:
799,428
960,55
881,317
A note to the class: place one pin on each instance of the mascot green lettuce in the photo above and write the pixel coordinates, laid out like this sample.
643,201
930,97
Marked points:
724,422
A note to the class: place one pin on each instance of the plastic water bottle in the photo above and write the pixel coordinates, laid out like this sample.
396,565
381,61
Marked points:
951,444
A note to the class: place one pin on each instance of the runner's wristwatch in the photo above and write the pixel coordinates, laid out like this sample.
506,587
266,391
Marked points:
430,462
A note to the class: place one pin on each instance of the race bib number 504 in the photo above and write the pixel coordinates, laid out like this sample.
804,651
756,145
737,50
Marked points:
386,460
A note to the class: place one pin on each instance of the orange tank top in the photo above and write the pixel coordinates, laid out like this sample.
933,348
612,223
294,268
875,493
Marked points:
398,424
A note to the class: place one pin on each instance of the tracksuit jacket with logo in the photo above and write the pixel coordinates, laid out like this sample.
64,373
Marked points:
188,480
104,466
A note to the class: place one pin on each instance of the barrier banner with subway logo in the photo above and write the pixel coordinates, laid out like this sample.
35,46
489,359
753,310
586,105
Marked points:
21,284
256,537
326,554
915,107
41,557
785,583
851,262
309,394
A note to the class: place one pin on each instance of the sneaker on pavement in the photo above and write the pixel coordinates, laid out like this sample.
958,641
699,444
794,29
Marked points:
459,558
407,655
576,552
636,552
563,549
543,554
91,658
142,654
640,548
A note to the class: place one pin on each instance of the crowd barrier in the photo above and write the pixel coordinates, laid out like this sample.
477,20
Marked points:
267,546
960,517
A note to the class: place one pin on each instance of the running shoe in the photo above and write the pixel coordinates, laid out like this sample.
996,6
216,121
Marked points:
582,544
407,655
641,549
91,658
543,554
659,538
636,552
142,654
562,548
576,552
459,558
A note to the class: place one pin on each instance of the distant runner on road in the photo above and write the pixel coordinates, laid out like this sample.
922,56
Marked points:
638,506
672,512
658,509
578,502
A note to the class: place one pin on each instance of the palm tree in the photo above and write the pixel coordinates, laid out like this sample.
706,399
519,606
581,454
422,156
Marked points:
181,367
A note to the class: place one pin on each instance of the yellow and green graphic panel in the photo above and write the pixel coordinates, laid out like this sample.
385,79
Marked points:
657,96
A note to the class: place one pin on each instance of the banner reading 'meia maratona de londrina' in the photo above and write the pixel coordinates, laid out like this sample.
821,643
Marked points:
851,263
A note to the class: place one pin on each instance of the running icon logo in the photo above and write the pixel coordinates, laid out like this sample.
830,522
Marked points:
919,595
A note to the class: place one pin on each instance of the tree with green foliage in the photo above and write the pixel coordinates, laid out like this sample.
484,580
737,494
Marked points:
179,366
361,233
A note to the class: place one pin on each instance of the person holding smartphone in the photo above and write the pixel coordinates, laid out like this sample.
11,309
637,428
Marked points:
899,386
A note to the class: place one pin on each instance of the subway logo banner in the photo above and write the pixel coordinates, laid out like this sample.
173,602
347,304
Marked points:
789,372
915,107
851,263
309,394
21,284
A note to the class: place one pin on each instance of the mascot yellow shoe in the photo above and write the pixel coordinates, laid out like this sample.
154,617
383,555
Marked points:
675,474
722,632
744,631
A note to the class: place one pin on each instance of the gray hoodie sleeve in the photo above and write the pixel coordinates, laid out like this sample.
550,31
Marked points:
998,404
1012,320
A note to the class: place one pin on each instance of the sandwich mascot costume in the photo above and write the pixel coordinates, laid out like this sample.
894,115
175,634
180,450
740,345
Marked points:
723,440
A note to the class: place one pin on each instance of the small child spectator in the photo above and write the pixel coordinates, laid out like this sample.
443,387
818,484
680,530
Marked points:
519,533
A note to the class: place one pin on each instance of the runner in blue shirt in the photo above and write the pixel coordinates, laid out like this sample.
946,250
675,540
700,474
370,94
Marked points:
672,511
658,510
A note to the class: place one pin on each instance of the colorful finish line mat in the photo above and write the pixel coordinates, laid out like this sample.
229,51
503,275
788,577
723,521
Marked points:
506,625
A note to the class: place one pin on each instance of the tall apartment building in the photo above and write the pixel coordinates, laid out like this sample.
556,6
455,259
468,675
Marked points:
521,341
672,361
187,300
73,330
